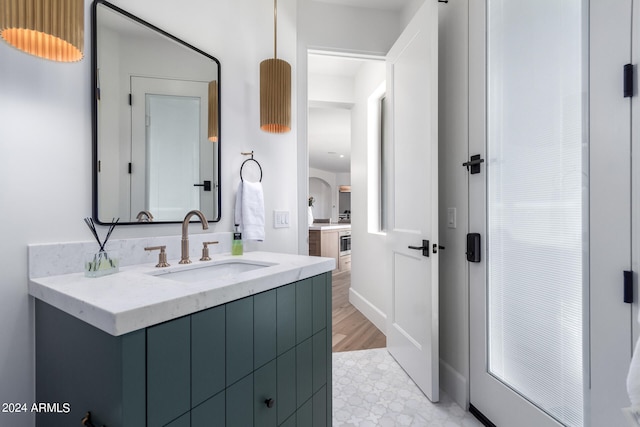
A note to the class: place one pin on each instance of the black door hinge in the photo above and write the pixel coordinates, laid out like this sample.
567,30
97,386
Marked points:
129,167
473,165
628,80
628,287
130,99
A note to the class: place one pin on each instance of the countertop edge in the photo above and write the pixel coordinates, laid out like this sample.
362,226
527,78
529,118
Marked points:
99,307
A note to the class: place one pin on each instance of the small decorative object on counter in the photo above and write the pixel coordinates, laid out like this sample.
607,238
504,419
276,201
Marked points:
236,244
101,263
310,211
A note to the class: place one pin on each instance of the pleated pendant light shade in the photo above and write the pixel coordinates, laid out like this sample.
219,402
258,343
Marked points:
213,111
51,29
275,89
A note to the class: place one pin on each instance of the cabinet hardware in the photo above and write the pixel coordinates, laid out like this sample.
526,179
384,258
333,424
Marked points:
269,403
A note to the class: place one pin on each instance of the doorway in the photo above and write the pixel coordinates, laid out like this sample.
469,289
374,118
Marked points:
332,123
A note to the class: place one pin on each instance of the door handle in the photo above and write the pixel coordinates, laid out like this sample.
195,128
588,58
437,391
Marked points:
205,184
424,248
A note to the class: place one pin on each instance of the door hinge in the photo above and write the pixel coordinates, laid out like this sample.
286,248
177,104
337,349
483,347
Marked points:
473,165
628,80
130,167
130,99
628,287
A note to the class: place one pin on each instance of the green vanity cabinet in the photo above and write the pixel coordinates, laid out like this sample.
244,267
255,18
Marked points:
263,360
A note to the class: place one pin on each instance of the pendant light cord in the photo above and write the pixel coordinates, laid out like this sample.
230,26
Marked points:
275,29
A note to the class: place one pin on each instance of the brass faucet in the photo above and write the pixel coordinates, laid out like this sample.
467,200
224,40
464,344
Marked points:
142,214
184,259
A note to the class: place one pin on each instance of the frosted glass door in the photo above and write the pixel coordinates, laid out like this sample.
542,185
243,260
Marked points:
536,212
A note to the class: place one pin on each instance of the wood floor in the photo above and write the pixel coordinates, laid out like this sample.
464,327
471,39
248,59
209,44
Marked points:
351,330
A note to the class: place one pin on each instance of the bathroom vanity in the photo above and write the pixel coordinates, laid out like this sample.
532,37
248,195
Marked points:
238,341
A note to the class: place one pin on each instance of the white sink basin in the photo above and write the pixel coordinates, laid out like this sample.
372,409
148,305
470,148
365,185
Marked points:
206,271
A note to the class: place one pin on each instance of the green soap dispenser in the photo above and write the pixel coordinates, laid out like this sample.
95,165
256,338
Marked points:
236,243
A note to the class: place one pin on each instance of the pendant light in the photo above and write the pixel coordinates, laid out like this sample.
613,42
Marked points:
50,29
213,111
275,88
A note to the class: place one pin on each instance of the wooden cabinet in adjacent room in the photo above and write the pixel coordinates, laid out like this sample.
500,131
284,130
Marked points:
326,243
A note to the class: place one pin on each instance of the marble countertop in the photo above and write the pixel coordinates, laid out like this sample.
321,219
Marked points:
323,227
134,298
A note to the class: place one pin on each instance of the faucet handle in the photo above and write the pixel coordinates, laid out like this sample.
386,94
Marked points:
205,250
162,256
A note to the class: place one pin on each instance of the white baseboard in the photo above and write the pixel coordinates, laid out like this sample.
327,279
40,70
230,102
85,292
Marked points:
454,385
370,311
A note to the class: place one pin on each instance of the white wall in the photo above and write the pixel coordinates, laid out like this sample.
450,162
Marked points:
321,188
370,267
453,136
45,138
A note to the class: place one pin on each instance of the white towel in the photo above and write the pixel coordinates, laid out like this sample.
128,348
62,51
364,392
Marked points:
250,210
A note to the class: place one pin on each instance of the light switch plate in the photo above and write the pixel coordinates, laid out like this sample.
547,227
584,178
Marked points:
280,219
451,217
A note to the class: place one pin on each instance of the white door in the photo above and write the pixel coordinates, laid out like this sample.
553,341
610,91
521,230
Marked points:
550,335
170,151
412,321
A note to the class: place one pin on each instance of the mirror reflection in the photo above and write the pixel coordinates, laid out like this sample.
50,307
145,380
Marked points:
155,125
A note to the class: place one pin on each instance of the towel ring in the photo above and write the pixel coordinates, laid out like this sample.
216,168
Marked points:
249,160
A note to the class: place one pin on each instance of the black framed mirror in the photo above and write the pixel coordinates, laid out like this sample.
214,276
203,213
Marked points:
156,122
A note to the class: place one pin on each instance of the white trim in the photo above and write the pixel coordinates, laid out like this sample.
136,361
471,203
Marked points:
370,311
454,384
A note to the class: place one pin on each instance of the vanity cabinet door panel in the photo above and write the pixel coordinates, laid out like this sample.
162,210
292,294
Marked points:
239,339
210,413
304,297
291,421
286,318
183,421
286,400
264,389
320,408
239,403
264,327
319,360
304,371
304,416
207,354
319,303
168,371
134,386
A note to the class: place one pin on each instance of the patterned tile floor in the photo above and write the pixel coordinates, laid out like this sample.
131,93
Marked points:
371,389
